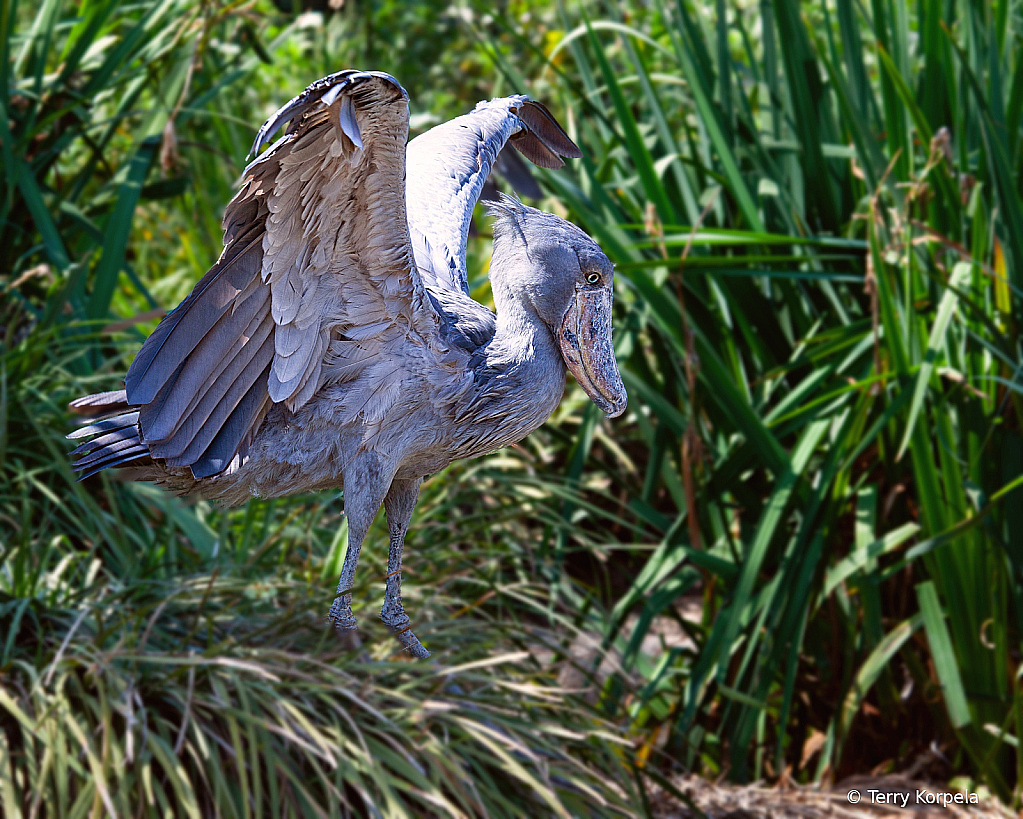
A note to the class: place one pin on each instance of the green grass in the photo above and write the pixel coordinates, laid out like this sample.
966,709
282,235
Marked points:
212,685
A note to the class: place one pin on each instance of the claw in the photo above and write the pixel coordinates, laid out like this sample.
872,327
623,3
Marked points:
411,642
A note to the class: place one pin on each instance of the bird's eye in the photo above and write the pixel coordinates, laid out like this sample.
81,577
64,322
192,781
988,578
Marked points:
593,278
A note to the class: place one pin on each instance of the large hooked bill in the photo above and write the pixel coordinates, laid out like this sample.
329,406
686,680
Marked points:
585,340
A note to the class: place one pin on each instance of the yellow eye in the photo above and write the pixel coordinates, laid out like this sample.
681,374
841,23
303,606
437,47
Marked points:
593,278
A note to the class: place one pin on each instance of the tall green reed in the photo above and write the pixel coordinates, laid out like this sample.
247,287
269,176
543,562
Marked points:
813,210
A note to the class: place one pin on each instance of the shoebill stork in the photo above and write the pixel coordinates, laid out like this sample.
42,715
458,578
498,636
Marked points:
335,344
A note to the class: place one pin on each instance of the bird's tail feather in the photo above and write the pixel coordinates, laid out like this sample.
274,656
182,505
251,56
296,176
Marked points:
113,433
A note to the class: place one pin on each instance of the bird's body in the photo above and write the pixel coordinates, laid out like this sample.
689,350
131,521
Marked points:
334,344
304,450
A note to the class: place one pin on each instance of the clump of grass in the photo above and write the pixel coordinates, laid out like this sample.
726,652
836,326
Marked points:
220,693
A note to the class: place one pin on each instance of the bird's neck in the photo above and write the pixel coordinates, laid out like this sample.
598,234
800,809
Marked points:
524,348
521,333
519,328
522,377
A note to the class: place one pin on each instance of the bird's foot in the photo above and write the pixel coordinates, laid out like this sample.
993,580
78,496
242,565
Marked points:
344,623
349,639
411,642
398,622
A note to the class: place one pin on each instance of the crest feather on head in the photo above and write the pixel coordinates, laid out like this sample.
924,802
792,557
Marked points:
505,205
515,217
509,211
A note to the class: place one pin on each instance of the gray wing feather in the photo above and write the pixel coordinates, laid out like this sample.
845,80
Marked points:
314,245
127,441
234,436
125,433
139,452
128,419
100,403
448,166
218,401
113,442
223,417
204,368
175,337
324,90
514,169
465,323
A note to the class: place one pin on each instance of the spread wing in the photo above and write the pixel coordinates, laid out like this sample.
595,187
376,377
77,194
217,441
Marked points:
316,261
448,166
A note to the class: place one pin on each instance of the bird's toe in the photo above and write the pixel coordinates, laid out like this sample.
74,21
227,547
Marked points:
397,621
349,639
411,643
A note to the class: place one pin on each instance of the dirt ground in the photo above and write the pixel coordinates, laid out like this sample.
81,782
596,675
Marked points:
879,798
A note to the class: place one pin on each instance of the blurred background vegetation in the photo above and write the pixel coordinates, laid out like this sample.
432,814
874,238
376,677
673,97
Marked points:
799,556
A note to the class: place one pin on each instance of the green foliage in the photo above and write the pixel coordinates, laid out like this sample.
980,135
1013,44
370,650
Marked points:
219,692
814,210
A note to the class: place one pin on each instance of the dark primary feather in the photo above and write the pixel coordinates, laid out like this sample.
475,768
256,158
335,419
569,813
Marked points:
128,419
545,141
236,434
204,368
113,441
175,337
111,438
135,454
228,417
515,171
100,403
510,165
127,440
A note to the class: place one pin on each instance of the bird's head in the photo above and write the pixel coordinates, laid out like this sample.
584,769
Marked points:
565,279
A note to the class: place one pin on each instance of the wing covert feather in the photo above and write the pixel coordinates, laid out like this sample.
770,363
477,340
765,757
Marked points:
316,248
448,166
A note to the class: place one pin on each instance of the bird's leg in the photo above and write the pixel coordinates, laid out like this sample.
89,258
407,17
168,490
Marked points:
366,483
399,503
